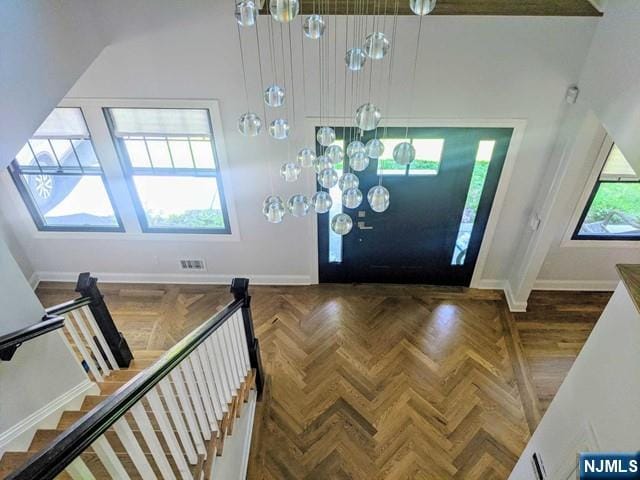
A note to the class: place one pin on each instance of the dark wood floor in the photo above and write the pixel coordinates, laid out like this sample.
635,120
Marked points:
376,382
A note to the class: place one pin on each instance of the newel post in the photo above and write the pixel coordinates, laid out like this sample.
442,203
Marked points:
87,286
240,291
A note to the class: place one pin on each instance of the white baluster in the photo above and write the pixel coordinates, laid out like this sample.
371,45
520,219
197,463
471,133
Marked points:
178,421
146,428
242,341
89,341
202,388
216,347
78,470
83,351
109,459
133,449
208,375
195,398
187,409
167,432
220,390
233,338
103,342
228,349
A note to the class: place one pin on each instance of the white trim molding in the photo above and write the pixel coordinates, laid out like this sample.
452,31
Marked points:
577,285
19,437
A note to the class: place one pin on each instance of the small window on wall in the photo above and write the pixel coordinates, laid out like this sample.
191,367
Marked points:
613,209
427,161
60,177
169,160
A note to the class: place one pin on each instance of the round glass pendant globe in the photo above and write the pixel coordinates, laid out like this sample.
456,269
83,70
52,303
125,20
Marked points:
279,129
326,136
422,7
271,199
284,10
347,181
306,157
321,163
273,210
352,198
249,124
246,13
355,59
355,147
328,178
378,198
341,224
374,148
334,153
368,116
376,45
298,205
274,96
321,202
404,153
313,26
290,171
359,162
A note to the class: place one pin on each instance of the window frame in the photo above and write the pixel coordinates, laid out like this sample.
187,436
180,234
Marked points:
16,171
129,171
572,236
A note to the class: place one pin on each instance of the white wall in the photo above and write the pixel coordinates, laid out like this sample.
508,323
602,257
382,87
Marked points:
600,392
46,45
466,71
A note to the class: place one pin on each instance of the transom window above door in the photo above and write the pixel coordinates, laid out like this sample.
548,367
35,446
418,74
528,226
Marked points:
169,160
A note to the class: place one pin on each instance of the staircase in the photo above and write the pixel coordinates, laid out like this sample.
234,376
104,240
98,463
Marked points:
182,414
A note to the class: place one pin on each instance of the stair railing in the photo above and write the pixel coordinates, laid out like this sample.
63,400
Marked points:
182,406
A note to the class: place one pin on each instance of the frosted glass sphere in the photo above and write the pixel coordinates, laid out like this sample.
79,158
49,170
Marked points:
284,10
341,224
274,96
298,205
279,129
313,26
359,161
347,181
328,178
352,198
273,209
368,116
355,147
374,148
326,136
321,202
422,7
249,124
246,13
404,153
290,171
376,45
322,163
305,158
334,153
378,198
355,59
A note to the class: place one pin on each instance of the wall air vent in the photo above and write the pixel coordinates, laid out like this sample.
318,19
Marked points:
192,265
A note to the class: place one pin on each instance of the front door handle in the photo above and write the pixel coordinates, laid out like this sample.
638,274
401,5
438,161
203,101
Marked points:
362,226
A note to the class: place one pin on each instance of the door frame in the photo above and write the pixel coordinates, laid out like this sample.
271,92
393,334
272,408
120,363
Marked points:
518,125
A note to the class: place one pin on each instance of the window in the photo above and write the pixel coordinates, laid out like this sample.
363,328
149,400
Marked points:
613,209
60,177
169,160
427,161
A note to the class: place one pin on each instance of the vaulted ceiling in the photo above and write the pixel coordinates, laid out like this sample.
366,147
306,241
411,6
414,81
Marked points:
570,8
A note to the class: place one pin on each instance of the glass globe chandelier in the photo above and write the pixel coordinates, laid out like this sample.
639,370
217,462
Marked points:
354,147
355,59
376,45
347,181
368,117
321,201
378,198
328,178
284,11
352,197
246,13
359,162
334,153
326,136
313,27
298,205
274,96
306,157
422,7
273,209
322,163
249,124
279,129
341,224
290,171
374,148
404,153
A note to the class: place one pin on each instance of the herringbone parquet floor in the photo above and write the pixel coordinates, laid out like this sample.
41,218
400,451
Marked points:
364,382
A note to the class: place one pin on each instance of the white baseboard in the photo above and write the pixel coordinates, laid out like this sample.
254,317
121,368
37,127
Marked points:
19,437
514,305
34,280
488,284
584,285
187,278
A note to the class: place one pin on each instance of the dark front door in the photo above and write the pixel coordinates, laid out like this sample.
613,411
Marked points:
440,203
